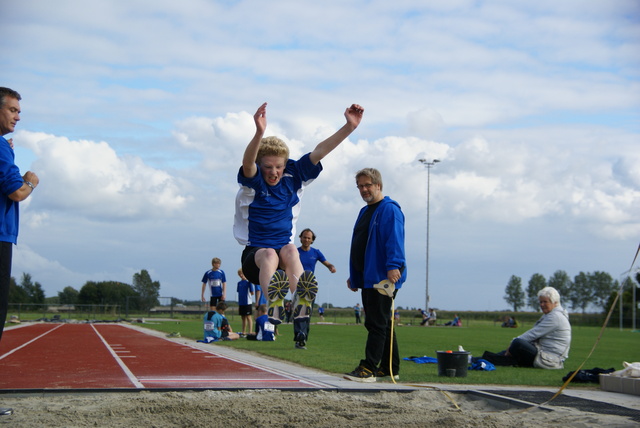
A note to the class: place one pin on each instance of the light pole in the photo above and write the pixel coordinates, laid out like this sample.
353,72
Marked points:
428,165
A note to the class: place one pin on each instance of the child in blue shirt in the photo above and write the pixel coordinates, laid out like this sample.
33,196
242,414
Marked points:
265,331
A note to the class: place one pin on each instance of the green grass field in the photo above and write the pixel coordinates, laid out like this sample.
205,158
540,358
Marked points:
338,348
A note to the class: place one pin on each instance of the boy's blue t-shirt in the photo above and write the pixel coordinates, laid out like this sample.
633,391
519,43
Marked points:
265,331
214,279
245,288
212,325
266,215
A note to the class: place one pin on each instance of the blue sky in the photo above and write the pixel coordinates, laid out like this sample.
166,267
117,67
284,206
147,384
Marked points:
136,114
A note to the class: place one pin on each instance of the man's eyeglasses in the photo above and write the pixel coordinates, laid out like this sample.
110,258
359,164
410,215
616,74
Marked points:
364,186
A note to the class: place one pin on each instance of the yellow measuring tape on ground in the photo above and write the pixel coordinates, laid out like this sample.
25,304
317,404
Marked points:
388,288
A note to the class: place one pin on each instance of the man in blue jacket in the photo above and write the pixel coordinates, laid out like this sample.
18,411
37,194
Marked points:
377,254
13,189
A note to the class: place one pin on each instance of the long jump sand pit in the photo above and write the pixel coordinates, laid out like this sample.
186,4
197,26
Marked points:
273,408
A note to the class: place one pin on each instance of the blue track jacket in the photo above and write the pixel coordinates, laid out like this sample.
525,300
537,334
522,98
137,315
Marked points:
385,247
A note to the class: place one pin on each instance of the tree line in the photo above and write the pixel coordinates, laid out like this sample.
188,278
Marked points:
597,289
142,294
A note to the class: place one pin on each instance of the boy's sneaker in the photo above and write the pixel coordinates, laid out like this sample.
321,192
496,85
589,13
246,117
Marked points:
300,345
277,290
306,294
383,373
307,286
361,374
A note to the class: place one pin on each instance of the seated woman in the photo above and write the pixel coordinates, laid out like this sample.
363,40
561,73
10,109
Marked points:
546,344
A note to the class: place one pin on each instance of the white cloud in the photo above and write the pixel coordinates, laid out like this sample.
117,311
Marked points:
90,178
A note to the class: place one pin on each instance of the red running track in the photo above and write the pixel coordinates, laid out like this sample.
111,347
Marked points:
112,356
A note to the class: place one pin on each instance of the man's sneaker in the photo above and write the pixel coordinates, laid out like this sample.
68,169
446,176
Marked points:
383,373
301,339
277,290
361,374
6,411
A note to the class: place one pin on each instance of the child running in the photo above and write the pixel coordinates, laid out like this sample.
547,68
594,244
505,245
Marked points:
267,208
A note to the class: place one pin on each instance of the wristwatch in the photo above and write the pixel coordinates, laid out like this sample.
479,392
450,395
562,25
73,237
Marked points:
28,183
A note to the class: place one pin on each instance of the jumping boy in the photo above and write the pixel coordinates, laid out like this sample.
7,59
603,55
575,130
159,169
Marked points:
267,208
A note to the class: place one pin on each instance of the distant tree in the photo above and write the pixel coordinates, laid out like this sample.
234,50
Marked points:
581,293
89,294
627,304
536,283
514,294
602,286
148,290
35,293
17,294
561,282
105,293
68,296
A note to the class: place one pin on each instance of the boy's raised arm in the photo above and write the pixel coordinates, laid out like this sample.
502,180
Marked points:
249,168
353,115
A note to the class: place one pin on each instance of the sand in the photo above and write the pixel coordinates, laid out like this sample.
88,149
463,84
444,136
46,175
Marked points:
272,408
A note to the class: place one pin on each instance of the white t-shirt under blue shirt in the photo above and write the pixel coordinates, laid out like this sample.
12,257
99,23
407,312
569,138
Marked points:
266,215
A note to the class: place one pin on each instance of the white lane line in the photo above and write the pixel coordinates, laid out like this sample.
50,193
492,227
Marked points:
31,341
198,380
132,378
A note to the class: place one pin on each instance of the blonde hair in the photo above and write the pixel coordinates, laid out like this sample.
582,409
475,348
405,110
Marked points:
272,146
215,260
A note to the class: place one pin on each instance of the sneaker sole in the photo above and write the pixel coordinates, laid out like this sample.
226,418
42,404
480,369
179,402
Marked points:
278,286
307,286
276,292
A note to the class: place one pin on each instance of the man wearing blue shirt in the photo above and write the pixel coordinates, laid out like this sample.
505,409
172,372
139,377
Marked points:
14,188
309,256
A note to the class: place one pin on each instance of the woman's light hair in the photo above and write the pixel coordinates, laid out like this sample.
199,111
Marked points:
550,293
272,146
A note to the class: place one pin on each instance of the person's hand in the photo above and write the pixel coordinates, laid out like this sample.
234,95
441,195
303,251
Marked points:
349,286
354,115
260,118
394,275
10,141
32,178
